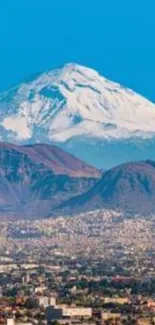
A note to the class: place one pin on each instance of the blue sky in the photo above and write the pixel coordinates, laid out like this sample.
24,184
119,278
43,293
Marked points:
116,37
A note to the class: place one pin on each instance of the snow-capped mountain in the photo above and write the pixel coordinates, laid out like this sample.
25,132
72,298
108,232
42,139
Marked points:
82,112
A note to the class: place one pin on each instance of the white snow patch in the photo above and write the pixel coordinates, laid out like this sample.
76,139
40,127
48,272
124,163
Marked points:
77,101
19,126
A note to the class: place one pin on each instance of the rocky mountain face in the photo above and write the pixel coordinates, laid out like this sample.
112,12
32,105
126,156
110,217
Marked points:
35,179
129,187
52,157
42,180
82,112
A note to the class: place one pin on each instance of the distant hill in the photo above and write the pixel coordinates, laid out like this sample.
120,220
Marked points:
129,187
38,181
34,179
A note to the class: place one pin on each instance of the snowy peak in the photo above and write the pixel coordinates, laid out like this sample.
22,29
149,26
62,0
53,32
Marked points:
73,101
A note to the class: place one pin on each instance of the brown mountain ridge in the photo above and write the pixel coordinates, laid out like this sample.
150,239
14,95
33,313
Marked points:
34,179
129,187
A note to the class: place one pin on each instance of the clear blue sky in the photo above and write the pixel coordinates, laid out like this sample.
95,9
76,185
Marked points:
116,37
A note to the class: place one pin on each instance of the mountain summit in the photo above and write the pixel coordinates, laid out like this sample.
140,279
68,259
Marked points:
81,111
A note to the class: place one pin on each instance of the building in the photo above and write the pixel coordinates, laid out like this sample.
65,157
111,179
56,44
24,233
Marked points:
46,301
40,289
77,312
110,316
54,313
11,321
26,278
116,300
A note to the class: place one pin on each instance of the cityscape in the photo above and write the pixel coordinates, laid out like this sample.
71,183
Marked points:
77,162
96,267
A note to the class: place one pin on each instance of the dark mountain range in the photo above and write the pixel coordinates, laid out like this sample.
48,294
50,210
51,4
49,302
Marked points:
52,157
129,187
42,180
35,179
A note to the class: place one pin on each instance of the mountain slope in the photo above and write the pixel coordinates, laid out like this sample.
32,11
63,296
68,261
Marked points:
129,187
53,158
83,113
35,179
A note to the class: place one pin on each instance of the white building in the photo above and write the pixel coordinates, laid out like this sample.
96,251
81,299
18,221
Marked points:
11,321
77,312
46,301
108,315
40,289
53,313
